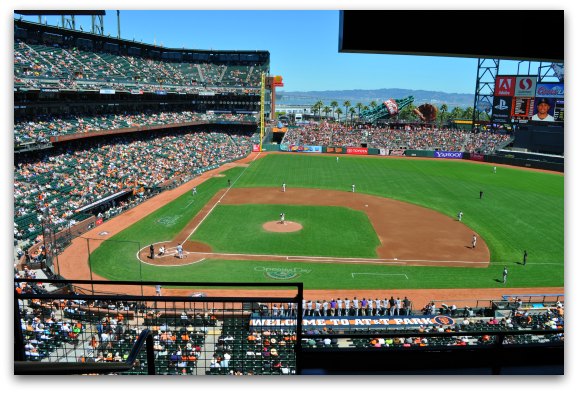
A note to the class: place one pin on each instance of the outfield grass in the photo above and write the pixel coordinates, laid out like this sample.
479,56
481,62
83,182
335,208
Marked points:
327,231
520,210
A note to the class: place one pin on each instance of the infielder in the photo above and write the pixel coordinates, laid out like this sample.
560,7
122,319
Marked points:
474,241
460,214
283,187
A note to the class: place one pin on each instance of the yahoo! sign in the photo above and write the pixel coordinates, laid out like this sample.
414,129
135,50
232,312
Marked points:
448,154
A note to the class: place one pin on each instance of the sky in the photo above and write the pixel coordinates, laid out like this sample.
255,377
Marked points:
303,45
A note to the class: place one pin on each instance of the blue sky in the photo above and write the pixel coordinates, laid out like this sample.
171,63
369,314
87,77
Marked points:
303,46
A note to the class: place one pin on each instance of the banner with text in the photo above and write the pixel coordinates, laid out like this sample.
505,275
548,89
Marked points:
256,147
373,322
476,157
301,148
448,154
397,152
332,149
357,150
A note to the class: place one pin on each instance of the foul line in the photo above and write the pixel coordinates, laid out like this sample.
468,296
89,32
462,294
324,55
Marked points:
216,203
382,274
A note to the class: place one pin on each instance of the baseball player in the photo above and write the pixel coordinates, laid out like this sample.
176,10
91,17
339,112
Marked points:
282,218
346,307
494,169
337,158
505,275
525,257
180,250
284,186
194,190
474,241
460,214
353,188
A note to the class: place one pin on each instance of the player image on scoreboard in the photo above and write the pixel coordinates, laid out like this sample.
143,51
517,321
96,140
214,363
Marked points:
548,109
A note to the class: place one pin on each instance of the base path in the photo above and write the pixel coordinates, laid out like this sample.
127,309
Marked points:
412,234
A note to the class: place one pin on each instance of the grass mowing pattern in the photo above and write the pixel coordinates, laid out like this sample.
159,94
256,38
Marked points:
116,258
520,210
238,229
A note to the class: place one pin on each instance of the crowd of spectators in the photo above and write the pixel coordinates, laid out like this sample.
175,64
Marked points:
42,127
38,66
409,137
62,181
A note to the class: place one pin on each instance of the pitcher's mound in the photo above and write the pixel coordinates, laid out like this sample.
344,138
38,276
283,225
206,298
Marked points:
288,226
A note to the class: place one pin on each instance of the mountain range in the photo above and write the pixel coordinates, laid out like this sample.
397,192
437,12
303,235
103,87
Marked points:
437,98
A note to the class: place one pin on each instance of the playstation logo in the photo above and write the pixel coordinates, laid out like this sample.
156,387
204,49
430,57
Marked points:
502,105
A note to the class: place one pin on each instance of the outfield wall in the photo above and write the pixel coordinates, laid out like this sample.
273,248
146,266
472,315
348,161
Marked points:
365,151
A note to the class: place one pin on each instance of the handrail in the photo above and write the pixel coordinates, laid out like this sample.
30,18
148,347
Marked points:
72,368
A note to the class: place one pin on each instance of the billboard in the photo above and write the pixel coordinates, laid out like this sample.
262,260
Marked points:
505,86
501,109
521,99
525,86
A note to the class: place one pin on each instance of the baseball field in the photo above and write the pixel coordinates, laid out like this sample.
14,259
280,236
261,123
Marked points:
398,230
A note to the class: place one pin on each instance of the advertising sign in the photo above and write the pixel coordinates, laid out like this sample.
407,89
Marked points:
256,147
550,90
391,106
353,322
525,86
397,152
448,154
505,86
332,149
502,109
476,157
357,150
107,91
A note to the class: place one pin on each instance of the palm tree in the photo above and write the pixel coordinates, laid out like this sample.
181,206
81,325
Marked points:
334,104
346,104
326,110
339,113
352,112
319,107
373,104
359,106
443,109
